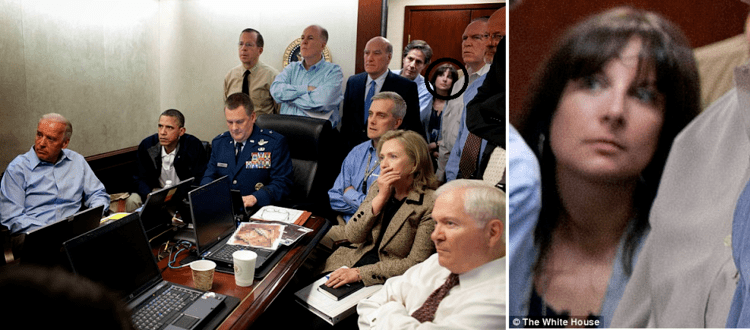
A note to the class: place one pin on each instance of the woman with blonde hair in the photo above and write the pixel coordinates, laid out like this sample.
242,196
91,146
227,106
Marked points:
390,231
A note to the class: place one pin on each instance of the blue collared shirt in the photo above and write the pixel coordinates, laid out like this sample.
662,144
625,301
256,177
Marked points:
425,98
451,167
34,193
524,204
289,89
353,172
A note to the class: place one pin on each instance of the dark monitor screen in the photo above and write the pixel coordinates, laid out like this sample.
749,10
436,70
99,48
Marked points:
116,255
213,218
161,204
43,246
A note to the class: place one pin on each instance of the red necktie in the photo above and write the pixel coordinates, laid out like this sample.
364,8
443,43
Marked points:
427,311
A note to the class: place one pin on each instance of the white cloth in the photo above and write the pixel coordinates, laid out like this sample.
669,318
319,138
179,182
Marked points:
477,302
495,167
685,276
168,172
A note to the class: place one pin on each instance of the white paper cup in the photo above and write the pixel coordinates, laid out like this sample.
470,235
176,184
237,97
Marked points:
244,267
203,274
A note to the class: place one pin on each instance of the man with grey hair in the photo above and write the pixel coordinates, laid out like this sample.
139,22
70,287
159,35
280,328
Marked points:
453,131
463,284
311,87
417,55
47,183
361,166
360,89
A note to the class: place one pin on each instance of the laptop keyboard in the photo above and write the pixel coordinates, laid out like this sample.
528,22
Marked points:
225,253
170,302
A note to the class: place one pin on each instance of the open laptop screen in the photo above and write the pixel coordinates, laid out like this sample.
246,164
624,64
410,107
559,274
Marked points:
117,255
159,206
213,218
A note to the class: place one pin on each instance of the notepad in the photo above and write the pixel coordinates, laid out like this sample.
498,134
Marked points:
340,292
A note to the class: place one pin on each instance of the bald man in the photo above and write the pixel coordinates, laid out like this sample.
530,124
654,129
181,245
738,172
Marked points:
360,89
311,87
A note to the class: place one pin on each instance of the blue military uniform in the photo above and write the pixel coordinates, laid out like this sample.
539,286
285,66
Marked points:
263,169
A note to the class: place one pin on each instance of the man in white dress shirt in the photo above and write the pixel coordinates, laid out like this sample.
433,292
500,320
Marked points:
470,241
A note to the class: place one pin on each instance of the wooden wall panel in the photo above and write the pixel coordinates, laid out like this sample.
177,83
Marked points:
368,26
442,26
536,25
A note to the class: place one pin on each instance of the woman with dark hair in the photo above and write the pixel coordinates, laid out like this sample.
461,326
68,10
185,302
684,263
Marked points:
603,113
442,80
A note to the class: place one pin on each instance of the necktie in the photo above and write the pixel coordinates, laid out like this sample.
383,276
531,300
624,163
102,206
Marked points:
368,99
469,156
245,84
237,150
426,313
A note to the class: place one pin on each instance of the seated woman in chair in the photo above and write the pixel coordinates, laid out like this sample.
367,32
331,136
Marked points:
391,230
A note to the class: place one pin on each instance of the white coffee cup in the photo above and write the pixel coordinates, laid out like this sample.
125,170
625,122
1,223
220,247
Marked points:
244,267
203,274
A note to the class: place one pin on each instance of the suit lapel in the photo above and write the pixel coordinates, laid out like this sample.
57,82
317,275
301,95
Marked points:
360,97
412,202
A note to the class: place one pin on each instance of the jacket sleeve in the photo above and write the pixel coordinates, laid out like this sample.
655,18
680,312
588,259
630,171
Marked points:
421,249
412,119
141,176
361,223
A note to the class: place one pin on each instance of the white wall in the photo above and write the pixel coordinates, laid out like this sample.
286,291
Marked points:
199,46
395,28
111,66
95,62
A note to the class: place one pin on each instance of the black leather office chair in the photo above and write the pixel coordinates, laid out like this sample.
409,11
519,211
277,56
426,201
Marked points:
316,158
207,147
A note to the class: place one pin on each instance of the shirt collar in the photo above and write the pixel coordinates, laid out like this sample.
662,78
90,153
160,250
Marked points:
173,153
314,66
34,161
482,273
379,80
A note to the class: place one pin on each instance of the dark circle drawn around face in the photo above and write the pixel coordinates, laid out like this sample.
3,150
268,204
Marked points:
440,61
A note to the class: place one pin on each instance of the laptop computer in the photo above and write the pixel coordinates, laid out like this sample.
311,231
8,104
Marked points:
161,205
119,257
43,245
213,225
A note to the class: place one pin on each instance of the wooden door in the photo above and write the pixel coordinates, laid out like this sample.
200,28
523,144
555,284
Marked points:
441,26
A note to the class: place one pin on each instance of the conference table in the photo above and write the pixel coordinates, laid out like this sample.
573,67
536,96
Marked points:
256,298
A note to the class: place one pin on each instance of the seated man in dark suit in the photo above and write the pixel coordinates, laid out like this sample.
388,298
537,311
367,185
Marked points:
256,160
169,155
360,89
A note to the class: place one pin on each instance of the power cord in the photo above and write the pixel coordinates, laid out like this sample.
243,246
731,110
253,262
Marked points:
183,245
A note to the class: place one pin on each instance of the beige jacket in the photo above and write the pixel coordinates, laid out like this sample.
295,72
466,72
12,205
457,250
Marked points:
406,241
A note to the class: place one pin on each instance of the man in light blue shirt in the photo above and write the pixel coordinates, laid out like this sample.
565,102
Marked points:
361,166
417,55
311,87
49,182
452,171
